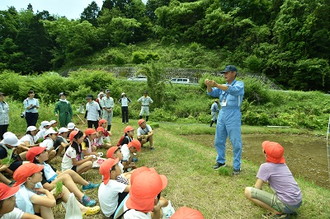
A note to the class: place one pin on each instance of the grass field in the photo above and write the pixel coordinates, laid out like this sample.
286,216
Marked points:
193,183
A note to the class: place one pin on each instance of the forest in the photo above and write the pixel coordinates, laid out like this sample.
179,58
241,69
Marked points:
288,41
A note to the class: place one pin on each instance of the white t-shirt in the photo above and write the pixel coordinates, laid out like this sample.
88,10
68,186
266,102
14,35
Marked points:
133,214
14,214
121,166
23,201
108,196
141,131
41,134
48,143
67,158
93,111
125,151
31,139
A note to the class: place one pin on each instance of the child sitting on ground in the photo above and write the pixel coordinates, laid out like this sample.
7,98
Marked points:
88,147
127,137
111,192
114,153
51,176
48,143
7,203
44,126
145,133
128,151
53,124
61,142
73,157
100,140
29,198
106,134
30,139
287,198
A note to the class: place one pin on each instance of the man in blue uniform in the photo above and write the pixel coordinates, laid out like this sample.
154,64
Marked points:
229,120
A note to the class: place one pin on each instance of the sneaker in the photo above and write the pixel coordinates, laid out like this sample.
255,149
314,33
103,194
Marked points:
92,210
87,201
236,172
218,165
90,186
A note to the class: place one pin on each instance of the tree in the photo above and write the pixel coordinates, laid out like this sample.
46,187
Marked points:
91,13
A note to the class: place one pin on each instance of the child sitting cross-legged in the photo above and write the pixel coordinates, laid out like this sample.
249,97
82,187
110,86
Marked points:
48,143
111,192
100,140
51,176
88,147
114,153
128,151
32,197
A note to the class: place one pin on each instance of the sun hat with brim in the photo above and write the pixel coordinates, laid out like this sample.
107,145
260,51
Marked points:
111,151
128,129
33,152
105,168
24,171
90,131
49,132
274,152
63,130
187,213
31,128
10,138
141,121
6,191
144,189
135,143
43,124
52,122
71,125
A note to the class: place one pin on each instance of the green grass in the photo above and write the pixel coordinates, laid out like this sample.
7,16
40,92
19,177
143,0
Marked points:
193,182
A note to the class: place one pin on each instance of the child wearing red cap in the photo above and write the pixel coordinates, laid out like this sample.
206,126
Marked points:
187,213
51,176
73,157
287,198
104,124
28,198
100,140
145,201
145,133
7,204
87,145
111,192
114,153
128,135
128,151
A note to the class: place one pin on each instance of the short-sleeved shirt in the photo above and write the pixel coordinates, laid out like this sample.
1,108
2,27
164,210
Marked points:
133,214
108,196
31,139
145,101
48,143
14,214
93,109
87,145
67,158
124,101
27,102
59,140
126,140
281,181
48,173
23,199
141,131
125,151
107,102
41,134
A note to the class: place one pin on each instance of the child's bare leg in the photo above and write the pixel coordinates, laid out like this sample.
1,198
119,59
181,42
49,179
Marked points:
75,177
84,167
68,182
4,179
45,212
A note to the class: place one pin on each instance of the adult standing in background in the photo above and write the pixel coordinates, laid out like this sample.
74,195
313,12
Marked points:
31,106
93,112
145,101
124,101
63,110
107,104
4,115
214,112
229,118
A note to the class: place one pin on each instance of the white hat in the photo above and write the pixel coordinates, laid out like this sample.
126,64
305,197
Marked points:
50,131
31,128
43,124
52,122
62,130
123,94
10,138
71,125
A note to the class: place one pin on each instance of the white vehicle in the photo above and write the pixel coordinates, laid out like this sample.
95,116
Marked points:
138,78
180,80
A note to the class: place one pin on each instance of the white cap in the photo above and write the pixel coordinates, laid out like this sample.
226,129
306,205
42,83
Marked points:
31,128
62,130
43,124
10,139
52,122
50,131
71,125
123,94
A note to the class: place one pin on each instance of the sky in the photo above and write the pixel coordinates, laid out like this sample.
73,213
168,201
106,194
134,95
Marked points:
68,8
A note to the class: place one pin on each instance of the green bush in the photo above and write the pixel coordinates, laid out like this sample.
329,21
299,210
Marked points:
140,57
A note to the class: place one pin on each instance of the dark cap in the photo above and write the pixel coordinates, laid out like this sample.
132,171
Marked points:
89,96
229,68
107,91
145,92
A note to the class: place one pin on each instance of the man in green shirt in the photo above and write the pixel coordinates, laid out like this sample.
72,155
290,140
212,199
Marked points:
63,110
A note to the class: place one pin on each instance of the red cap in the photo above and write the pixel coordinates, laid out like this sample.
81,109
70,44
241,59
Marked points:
6,191
274,152
24,171
111,151
128,129
187,213
102,121
105,168
100,129
145,187
72,135
135,143
90,131
33,152
141,121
